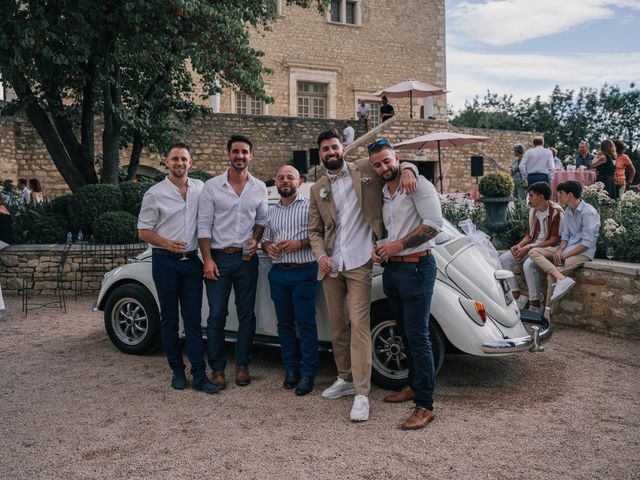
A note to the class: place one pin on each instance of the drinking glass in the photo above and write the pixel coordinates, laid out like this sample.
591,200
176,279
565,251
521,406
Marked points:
609,252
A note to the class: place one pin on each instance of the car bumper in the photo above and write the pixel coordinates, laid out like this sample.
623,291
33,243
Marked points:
541,331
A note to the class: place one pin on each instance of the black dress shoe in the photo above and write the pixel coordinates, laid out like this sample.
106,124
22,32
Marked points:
290,380
305,385
179,381
203,384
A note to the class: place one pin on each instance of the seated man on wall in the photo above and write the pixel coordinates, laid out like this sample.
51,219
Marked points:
581,224
543,231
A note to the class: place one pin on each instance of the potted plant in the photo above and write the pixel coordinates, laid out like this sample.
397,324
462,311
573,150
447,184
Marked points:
496,189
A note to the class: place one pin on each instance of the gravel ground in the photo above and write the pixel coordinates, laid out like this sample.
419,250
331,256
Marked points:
72,406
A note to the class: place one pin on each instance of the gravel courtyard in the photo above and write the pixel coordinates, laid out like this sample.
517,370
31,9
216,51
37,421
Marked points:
72,406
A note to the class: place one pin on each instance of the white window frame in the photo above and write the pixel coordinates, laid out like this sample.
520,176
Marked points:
311,96
369,98
311,75
357,13
250,100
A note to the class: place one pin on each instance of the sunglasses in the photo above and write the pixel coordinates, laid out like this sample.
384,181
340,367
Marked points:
383,142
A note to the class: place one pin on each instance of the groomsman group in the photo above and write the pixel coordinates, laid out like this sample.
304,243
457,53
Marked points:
375,210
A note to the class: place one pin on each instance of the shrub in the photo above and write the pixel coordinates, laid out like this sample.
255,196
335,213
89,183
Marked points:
90,201
455,211
49,228
132,193
200,175
115,227
620,229
60,205
517,223
496,184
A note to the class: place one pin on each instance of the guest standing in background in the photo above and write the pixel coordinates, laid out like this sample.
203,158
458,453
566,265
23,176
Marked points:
623,163
604,164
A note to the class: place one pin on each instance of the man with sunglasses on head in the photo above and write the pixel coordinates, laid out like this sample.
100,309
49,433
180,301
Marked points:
345,218
412,221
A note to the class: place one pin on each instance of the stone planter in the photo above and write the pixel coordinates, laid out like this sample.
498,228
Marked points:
496,208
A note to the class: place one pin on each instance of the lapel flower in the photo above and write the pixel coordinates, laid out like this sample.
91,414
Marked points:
366,180
323,193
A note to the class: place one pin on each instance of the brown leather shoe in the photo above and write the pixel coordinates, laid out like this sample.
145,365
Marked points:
242,376
418,419
403,395
218,378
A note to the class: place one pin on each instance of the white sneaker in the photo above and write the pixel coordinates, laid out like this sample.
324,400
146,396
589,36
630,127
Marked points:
562,288
521,301
360,409
340,388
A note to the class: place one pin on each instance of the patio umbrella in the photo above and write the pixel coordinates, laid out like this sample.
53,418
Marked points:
439,140
410,88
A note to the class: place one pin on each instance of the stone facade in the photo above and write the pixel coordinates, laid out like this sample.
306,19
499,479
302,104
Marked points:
390,41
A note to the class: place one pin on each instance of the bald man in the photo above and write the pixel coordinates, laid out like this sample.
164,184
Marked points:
293,280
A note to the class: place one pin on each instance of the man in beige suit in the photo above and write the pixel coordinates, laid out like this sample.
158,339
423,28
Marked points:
345,218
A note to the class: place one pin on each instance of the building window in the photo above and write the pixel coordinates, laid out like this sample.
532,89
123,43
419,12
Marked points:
345,11
374,114
248,105
312,100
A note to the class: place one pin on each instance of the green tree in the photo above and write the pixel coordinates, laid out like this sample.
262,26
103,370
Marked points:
131,62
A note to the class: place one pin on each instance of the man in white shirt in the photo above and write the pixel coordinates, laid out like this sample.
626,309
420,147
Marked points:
344,215
412,222
232,214
25,193
537,163
167,222
348,133
364,113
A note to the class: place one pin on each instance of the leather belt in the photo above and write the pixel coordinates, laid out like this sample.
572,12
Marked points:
411,258
162,251
227,250
289,266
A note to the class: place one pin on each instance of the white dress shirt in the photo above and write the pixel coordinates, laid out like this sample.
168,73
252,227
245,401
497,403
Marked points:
354,237
25,196
166,213
581,228
537,160
403,213
227,218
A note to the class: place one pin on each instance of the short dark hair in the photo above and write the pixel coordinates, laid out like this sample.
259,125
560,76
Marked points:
518,148
541,188
620,146
326,135
572,187
239,138
34,184
179,145
22,181
537,141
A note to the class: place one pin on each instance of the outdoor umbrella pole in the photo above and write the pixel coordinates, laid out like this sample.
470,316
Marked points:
440,167
410,104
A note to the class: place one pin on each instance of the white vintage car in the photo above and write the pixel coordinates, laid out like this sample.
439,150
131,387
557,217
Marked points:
472,311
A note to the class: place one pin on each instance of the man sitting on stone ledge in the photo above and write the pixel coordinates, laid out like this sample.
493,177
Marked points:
577,244
544,231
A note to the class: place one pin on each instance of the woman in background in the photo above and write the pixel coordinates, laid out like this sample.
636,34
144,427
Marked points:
36,191
605,166
623,162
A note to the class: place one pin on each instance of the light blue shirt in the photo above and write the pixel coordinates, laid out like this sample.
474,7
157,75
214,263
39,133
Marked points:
581,228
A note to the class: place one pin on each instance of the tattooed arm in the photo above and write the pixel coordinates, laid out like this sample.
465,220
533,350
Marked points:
423,233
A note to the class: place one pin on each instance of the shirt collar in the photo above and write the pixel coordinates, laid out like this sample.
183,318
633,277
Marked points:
298,198
225,178
344,168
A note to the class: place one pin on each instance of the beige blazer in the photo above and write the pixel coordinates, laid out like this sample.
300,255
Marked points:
322,211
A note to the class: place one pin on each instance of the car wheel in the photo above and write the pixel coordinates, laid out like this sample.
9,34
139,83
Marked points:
389,362
132,320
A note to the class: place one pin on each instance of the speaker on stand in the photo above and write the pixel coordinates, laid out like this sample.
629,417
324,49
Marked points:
477,166
314,159
300,159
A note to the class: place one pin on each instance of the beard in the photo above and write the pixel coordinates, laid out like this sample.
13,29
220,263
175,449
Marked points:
391,175
286,194
335,162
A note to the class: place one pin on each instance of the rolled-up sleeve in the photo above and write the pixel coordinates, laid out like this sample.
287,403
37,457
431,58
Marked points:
148,216
427,204
206,206
263,208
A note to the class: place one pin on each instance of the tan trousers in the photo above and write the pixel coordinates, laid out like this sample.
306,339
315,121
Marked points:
543,258
350,327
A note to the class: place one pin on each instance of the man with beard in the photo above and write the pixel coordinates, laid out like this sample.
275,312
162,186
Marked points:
167,222
344,214
231,216
412,222
293,280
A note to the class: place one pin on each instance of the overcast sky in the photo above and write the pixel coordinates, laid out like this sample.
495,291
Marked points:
526,47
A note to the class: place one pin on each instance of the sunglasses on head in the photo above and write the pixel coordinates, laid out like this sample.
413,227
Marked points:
383,142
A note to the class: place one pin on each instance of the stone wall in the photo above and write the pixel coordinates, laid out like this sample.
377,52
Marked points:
606,298
22,153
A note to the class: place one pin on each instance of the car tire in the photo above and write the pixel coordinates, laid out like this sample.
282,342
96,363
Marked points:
132,320
389,369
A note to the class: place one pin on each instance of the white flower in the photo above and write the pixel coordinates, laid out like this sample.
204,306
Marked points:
366,180
323,193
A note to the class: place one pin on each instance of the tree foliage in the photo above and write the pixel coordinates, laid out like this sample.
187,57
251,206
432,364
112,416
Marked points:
567,117
134,63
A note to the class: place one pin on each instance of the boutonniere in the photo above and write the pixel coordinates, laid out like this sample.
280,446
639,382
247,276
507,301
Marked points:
366,180
323,193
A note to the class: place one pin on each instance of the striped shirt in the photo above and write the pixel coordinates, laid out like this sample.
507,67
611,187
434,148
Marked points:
289,223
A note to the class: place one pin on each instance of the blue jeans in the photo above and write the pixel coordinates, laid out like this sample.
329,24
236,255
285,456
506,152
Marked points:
243,277
179,282
293,292
537,177
409,288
